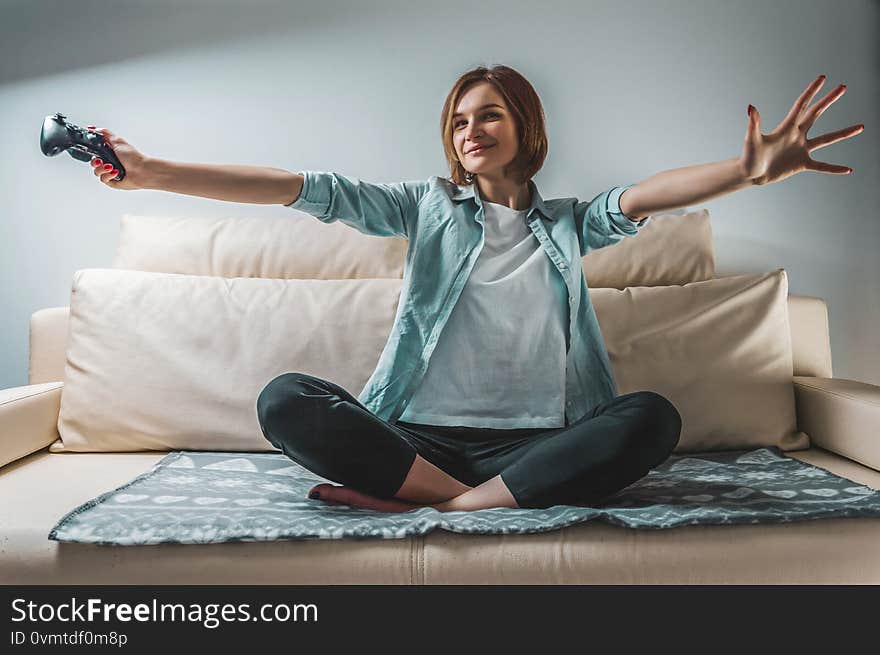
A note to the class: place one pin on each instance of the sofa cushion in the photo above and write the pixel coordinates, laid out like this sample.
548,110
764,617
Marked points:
165,361
720,350
677,250
825,551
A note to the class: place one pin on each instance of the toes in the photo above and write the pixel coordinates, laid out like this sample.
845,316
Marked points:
328,493
321,488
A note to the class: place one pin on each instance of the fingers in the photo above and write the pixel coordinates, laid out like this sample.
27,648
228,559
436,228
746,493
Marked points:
754,122
110,138
819,108
824,167
803,100
105,172
833,137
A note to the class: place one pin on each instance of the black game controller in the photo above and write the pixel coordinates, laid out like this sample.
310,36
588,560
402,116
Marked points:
58,135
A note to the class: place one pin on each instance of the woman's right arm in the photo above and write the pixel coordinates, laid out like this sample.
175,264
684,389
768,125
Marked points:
247,184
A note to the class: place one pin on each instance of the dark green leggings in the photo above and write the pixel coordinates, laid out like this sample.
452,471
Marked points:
322,427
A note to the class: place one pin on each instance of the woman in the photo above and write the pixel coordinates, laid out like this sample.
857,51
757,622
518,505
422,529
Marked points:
494,388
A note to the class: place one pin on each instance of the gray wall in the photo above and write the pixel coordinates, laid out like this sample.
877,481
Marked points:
630,88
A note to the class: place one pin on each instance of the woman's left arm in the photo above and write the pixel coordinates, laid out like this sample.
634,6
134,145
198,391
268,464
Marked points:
766,158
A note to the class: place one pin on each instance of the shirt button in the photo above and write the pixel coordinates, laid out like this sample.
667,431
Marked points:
568,403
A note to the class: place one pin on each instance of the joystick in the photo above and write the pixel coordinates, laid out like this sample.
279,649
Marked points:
58,135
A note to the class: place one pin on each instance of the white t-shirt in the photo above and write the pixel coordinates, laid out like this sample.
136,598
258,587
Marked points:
500,360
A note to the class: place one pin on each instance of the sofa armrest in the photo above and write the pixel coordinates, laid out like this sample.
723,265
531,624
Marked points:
840,415
28,419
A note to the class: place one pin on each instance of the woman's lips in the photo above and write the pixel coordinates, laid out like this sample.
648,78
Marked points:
481,150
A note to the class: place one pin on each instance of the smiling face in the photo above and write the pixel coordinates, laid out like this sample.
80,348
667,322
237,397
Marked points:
492,126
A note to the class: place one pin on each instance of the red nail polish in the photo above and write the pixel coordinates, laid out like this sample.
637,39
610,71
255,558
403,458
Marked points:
750,110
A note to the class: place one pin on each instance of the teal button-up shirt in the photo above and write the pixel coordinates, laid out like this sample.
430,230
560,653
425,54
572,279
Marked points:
444,225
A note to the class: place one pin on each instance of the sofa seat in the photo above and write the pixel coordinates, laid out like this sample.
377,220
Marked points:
40,488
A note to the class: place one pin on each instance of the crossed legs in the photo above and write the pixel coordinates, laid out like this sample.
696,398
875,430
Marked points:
322,427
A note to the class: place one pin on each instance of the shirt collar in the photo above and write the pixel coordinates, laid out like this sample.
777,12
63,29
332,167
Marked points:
464,192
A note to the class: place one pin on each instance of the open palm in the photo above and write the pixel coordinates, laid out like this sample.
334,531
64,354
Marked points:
768,158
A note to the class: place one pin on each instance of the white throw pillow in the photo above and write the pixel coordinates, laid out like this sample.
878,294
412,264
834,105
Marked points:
294,245
672,249
720,350
160,361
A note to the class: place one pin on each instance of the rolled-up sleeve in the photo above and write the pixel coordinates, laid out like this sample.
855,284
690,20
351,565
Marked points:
386,210
600,222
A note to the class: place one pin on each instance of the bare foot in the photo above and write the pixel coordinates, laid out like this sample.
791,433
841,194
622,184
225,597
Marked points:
339,495
490,494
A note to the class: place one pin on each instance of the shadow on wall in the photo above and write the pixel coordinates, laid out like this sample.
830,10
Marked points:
73,35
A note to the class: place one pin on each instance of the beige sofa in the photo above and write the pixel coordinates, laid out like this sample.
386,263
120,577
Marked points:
37,486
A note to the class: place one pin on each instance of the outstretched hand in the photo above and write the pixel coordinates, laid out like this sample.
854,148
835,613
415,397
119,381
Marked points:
772,157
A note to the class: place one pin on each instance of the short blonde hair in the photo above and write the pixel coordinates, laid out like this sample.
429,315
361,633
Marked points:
523,102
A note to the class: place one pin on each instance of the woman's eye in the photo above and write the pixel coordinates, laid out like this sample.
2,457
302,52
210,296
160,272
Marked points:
491,113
